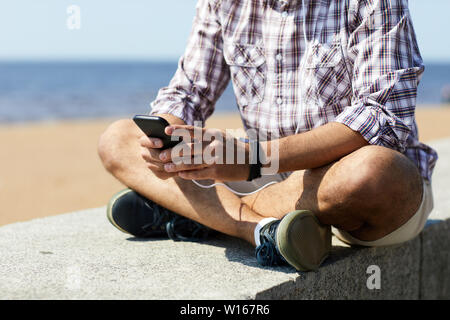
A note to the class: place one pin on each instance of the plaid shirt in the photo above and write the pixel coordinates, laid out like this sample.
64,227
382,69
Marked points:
359,65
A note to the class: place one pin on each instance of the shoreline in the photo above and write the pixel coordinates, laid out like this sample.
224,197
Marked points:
420,110
52,167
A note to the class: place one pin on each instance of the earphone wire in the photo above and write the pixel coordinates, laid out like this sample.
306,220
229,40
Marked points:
302,63
230,189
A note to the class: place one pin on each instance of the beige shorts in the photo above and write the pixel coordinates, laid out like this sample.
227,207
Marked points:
406,232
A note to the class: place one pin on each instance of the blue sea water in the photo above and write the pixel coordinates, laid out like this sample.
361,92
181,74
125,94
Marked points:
34,91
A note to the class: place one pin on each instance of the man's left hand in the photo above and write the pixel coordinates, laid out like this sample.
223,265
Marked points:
203,154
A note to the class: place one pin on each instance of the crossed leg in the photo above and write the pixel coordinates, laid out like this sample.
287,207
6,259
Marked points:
369,193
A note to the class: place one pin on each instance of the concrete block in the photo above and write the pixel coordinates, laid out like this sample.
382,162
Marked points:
81,256
345,275
435,262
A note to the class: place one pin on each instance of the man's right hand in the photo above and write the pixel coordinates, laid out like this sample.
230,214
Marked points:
151,149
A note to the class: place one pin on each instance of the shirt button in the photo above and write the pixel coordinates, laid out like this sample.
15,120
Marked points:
279,101
279,57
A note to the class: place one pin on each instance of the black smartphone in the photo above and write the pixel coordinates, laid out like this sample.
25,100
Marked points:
153,126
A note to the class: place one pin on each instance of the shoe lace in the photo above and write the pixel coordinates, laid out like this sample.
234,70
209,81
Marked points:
267,253
160,216
178,228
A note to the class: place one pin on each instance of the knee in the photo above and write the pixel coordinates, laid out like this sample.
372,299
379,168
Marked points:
118,134
369,173
381,180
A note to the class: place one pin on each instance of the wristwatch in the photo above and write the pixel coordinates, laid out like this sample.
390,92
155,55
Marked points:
255,161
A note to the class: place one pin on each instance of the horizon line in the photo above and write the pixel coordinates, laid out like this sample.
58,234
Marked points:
90,60
135,60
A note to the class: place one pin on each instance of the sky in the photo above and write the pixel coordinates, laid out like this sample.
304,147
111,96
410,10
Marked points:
148,29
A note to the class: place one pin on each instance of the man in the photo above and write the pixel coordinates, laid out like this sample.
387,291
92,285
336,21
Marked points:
336,82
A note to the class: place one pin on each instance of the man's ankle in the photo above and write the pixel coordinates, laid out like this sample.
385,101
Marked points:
259,226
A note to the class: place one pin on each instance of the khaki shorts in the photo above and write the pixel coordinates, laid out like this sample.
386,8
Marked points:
406,232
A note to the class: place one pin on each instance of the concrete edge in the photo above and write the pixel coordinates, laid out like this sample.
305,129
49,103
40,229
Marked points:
427,277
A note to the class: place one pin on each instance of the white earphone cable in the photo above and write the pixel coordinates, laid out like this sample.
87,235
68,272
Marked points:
305,38
234,191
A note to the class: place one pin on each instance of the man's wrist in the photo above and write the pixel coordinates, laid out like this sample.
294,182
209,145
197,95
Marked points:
253,159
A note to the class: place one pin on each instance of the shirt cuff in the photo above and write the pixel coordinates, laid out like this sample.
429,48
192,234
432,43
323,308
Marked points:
375,126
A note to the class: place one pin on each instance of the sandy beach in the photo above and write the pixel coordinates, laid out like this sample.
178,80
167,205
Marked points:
53,168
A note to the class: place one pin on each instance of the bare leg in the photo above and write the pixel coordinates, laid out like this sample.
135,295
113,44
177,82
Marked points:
216,208
369,193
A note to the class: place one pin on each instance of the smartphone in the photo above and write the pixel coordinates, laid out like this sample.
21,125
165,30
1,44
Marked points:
153,126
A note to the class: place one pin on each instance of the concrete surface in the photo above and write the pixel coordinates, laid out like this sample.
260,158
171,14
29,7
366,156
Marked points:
81,256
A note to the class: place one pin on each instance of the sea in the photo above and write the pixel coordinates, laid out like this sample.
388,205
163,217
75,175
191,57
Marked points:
48,91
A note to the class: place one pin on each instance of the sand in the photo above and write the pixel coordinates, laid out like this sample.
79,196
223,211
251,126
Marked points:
53,168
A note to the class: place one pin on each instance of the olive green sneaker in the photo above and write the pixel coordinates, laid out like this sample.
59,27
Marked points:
298,239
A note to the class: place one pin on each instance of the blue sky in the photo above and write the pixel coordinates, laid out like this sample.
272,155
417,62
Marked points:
148,29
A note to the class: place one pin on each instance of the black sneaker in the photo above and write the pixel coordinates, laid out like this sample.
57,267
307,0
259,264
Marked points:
131,213
299,239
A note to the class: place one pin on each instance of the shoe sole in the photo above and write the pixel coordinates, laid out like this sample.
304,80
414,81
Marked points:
111,203
303,241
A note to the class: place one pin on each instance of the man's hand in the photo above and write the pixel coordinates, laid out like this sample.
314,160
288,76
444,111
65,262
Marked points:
201,155
150,152
151,149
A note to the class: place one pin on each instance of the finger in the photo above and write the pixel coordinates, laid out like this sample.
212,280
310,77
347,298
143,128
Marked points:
149,142
150,155
187,150
172,167
160,173
186,132
170,129
156,167
200,174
